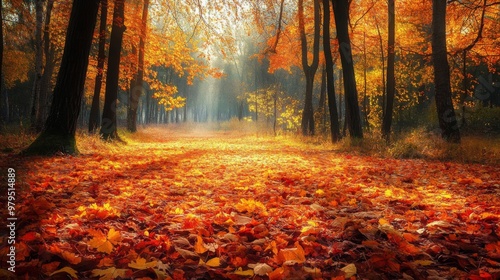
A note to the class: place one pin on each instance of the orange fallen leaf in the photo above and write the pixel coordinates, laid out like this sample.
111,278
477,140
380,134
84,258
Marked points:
104,243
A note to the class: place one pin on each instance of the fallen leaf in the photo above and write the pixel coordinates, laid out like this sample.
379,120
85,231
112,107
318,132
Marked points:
349,270
71,258
67,270
215,262
109,273
291,256
141,263
261,269
239,271
104,243
199,246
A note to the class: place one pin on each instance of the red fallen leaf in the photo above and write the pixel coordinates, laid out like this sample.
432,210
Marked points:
48,268
483,275
42,205
277,274
410,237
22,251
386,262
30,236
493,250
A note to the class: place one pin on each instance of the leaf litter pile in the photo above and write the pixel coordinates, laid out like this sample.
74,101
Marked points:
224,206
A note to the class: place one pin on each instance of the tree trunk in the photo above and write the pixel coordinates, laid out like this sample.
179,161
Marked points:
353,118
60,127
307,124
94,120
446,114
35,107
322,101
330,82
48,70
3,106
391,80
136,92
109,124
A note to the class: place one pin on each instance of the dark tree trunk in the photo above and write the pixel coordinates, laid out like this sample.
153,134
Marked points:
138,89
322,101
59,132
109,124
330,82
3,106
353,117
48,70
94,119
391,80
446,113
35,107
307,124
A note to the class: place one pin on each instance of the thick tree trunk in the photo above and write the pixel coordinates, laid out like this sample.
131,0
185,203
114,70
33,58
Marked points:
353,117
330,82
446,114
109,124
391,80
137,91
59,132
35,107
94,119
309,70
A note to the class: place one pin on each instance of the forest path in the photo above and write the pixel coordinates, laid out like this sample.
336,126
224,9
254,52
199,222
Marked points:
213,204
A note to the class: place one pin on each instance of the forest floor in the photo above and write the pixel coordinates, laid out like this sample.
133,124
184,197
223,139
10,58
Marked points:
224,205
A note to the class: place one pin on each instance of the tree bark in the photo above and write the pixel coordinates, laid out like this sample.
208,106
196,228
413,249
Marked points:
3,107
322,101
353,117
94,120
330,82
307,124
60,127
391,80
109,124
48,70
446,114
35,107
138,89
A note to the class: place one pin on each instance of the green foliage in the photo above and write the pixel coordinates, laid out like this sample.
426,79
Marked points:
482,120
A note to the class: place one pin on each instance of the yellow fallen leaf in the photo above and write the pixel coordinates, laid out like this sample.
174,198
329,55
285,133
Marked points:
66,269
141,263
423,262
109,273
241,272
349,270
383,221
215,262
104,243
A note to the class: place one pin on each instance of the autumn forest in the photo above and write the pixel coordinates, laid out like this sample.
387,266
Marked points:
237,139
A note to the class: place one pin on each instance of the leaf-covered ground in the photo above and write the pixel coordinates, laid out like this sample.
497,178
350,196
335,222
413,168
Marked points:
228,206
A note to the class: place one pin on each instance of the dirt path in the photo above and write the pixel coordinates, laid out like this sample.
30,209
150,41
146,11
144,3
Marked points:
198,205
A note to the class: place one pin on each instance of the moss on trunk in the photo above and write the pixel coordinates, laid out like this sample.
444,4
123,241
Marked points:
51,144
